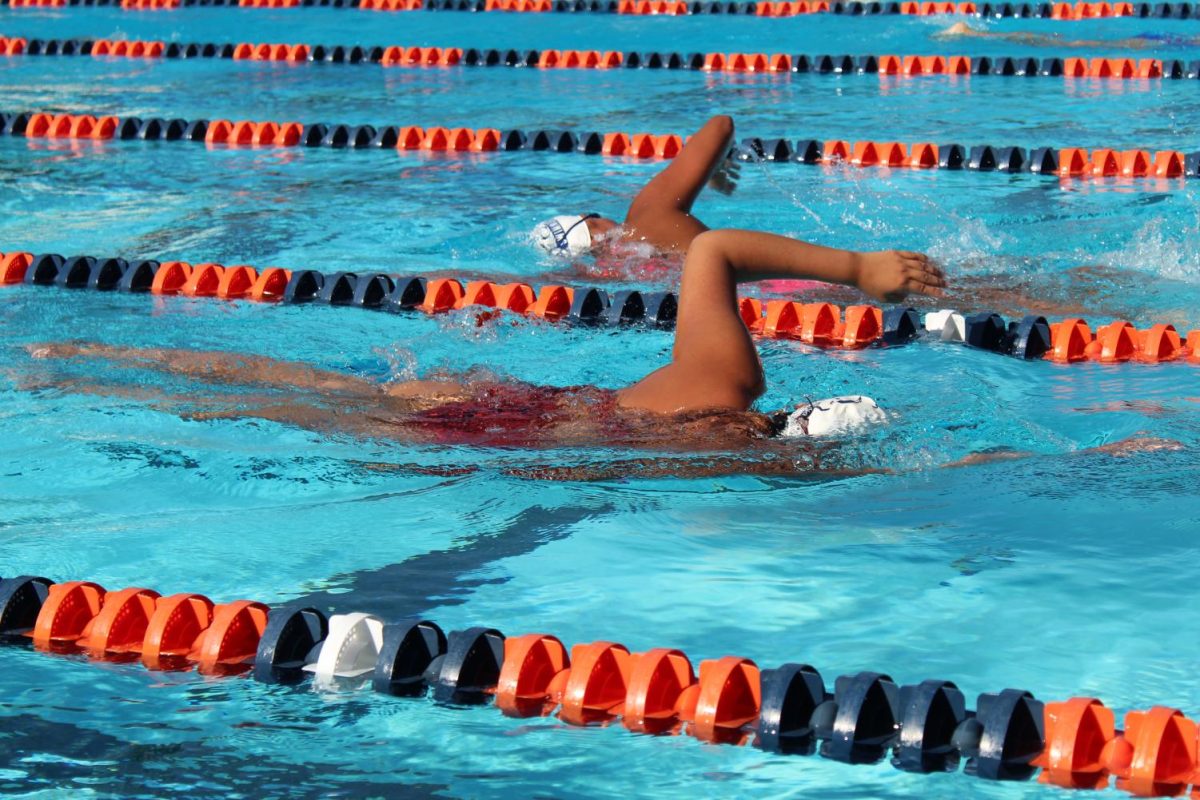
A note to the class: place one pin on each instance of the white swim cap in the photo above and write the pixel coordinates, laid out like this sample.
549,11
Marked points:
564,235
834,416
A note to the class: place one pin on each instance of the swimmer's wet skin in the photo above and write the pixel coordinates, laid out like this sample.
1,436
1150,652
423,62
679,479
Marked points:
660,215
714,362
700,401
1143,41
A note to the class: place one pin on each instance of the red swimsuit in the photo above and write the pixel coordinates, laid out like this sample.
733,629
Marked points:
512,414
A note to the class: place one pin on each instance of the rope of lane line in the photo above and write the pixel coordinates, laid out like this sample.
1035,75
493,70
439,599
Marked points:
742,63
1163,165
787,8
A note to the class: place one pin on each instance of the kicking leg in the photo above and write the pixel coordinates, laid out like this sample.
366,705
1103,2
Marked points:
216,367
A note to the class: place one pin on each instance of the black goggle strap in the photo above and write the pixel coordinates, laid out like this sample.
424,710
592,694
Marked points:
562,243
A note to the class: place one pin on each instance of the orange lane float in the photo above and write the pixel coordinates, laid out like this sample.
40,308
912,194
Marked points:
149,5
516,297
127,49
13,267
1072,340
70,126
163,631
813,323
12,45
268,3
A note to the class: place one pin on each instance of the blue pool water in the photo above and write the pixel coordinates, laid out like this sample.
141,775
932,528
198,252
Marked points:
1067,572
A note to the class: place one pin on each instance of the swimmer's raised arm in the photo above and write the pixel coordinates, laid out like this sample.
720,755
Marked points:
661,212
714,363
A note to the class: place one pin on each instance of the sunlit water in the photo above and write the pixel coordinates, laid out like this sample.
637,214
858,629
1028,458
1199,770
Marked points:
1066,572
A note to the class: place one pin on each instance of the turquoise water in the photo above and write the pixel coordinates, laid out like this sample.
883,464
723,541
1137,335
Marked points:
1065,573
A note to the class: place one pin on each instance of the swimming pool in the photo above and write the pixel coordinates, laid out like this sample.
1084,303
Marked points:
1066,573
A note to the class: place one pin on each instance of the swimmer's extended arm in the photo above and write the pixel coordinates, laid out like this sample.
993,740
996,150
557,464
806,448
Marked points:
715,364
661,212
781,467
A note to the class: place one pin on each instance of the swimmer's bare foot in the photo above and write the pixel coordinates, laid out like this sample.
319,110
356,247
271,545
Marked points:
1138,444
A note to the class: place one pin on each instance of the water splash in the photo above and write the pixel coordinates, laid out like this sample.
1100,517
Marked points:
401,362
1158,249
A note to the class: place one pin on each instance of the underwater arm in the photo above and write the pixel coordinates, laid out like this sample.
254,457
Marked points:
709,467
808,465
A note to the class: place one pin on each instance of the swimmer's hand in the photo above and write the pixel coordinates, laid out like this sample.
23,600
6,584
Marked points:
725,178
892,275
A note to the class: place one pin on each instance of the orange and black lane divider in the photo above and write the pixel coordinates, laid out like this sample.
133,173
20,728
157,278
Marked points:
789,709
1060,163
903,66
819,324
1060,11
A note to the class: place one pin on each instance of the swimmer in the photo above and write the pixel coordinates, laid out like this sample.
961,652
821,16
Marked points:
700,401
661,213
1143,41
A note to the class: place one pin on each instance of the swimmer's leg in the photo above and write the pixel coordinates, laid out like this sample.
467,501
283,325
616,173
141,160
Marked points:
216,367
187,406
310,414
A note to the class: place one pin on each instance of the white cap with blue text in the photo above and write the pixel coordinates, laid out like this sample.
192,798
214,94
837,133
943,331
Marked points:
834,416
566,235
